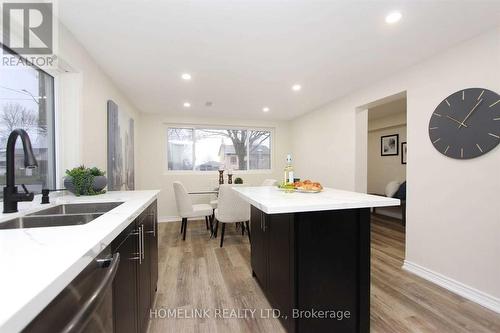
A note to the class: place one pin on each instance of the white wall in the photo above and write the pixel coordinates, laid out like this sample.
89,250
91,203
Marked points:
82,98
151,157
453,211
388,121
383,169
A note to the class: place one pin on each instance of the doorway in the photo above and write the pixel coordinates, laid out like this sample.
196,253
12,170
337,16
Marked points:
376,124
386,155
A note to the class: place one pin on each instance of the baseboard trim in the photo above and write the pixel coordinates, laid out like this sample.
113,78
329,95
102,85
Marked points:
454,286
167,219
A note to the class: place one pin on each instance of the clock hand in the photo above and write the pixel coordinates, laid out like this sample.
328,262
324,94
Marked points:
457,121
474,108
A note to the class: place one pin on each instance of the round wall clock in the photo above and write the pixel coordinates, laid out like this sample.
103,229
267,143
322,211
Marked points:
466,124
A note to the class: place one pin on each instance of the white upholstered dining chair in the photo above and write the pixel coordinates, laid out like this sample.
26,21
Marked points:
186,209
231,208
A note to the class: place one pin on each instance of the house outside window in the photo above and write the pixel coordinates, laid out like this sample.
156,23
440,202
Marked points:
208,149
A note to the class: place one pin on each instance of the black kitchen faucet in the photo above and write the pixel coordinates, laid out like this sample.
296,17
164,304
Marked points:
10,195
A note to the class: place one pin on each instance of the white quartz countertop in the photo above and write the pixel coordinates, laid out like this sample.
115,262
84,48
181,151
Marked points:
37,263
271,200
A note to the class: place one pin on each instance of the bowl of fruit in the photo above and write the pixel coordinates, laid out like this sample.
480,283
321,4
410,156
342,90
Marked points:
308,186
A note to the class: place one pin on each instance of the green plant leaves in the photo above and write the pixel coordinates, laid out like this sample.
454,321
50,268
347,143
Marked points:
83,180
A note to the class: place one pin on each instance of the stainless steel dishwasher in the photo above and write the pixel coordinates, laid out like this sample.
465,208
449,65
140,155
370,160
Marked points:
86,304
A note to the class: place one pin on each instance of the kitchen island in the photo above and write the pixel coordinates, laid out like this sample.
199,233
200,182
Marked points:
310,253
38,263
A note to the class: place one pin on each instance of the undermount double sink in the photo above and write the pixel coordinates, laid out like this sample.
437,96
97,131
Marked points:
61,215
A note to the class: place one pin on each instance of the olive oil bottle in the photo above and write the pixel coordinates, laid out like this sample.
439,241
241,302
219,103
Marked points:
288,178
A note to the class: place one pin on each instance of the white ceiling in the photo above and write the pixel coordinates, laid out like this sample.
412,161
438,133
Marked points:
244,55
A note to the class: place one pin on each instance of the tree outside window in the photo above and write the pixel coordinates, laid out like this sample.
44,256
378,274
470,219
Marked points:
211,149
27,102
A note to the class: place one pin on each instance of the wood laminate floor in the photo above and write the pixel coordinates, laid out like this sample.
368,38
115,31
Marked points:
197,274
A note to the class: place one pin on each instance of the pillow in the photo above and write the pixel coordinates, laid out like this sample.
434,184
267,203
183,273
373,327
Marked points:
401,193
391,188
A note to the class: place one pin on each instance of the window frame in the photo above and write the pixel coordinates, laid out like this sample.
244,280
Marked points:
52,141
194,127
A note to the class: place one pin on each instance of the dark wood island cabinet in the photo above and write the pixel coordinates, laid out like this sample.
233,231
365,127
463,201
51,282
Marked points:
310,253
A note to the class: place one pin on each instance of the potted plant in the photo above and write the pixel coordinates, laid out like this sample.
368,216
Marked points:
85,181
238,180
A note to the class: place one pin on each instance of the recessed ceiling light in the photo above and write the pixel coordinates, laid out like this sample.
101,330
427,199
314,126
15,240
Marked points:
296,87
186,76
187,104
393,17
265,109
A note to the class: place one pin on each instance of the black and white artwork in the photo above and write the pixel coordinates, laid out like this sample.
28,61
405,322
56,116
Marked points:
120,149
389,145
403,153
